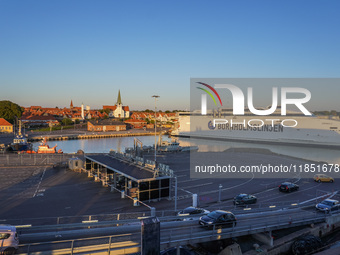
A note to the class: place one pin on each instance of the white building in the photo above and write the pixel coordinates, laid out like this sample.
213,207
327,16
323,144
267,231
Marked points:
118,110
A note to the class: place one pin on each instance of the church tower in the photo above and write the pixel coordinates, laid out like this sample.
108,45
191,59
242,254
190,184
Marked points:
71,105
119,106
118,110
119,99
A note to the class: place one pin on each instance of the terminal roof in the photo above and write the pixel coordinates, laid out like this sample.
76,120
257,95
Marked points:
129,170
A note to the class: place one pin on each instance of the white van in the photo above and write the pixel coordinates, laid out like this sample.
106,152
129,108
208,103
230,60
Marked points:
9,240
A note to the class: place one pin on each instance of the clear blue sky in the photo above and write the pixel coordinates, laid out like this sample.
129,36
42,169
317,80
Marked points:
55,51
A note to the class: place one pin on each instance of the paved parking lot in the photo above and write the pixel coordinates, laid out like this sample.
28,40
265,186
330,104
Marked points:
44,191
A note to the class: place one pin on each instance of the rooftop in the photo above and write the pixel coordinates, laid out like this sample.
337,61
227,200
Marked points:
127,169
4,122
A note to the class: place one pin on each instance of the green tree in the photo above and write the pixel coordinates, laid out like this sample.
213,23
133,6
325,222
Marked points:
67,122
9,111
333,113
107,111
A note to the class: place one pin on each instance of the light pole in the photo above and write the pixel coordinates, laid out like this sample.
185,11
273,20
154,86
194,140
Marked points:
155,96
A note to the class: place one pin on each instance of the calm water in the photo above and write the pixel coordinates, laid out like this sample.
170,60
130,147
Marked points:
105,145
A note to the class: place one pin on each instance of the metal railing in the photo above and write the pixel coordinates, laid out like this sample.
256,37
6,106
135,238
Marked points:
179,234
76,246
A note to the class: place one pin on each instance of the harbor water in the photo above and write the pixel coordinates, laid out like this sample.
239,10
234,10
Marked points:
104,145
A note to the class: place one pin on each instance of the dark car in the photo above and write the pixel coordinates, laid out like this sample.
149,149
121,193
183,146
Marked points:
218,218
288,187
243,199
328,205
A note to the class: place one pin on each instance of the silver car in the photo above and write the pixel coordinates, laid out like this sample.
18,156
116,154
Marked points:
328,205
9,240
192,213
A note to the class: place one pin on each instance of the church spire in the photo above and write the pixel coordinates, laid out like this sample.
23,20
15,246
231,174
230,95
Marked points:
71,105
119,100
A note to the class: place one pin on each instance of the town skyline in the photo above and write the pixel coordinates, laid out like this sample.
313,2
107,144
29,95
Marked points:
55,51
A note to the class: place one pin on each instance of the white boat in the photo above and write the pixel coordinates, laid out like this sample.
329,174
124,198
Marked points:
166,146
173,146
291,129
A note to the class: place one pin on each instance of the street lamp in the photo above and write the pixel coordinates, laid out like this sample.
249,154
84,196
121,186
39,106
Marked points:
155,128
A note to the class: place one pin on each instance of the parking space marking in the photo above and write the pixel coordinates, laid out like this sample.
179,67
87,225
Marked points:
36,191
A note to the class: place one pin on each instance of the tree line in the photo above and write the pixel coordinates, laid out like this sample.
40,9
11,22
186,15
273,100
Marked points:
10,111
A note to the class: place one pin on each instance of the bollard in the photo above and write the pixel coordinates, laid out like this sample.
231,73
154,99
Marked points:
135,201
153,212
194,200
122,194
219,192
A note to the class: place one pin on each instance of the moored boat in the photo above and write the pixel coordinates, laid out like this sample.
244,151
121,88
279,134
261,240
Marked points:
45,148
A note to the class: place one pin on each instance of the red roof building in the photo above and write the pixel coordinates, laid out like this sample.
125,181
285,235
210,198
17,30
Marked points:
5,126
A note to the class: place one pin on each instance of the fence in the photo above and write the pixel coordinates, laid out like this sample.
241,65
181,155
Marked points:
33,159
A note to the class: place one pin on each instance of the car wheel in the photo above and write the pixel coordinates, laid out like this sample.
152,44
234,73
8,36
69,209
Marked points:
9,251
319,181
331,181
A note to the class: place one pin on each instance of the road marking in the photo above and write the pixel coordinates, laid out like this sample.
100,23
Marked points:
289,194
190,180
89,221
199,185
183,190
238,185
182,175
24,226
42,176
310,200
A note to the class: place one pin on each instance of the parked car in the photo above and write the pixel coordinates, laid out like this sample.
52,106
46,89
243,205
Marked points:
323,178
243,199
9,240
328,205
288,187
218,218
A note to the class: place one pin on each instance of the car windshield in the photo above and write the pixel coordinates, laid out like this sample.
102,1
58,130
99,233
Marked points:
189,210
213,215
327,203
241,196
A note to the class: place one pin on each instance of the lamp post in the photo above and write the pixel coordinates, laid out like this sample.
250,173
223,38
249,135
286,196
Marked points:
155,96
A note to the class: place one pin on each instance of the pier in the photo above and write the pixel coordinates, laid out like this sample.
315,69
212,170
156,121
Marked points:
61,137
